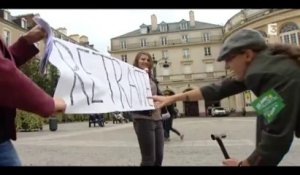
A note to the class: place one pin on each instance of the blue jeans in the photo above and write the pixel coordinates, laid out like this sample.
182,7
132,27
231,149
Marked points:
8,155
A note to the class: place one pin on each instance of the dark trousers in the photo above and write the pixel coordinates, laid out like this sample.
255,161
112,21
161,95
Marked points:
168,126
150,136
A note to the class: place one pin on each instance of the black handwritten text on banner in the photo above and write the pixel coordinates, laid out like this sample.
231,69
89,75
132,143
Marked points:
93,83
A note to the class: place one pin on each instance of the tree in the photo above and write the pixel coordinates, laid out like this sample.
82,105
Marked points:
48,81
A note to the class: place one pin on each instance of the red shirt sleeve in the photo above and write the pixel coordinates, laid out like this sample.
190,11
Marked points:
22,51
16,89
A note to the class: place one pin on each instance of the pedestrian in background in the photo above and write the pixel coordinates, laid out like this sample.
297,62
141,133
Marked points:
168,123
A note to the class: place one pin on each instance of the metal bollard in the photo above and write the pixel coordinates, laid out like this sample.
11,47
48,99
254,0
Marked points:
53,123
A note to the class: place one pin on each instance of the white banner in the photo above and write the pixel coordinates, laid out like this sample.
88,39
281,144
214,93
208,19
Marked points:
93,83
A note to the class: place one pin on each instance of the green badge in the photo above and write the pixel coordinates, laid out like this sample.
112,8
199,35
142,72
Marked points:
269,104
272,110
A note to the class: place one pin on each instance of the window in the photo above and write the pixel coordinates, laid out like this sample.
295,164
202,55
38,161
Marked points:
293,39
290,34
186,53
286,39
184,38
24,23
206,37
124,58
123,44
289,27
164,54
6,37
164,41
183,25
163,28
143,42
207,51
144,31
209,67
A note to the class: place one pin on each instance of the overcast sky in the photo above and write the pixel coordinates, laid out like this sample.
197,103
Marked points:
100,25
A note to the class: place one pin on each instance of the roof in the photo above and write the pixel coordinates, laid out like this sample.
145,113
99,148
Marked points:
172,27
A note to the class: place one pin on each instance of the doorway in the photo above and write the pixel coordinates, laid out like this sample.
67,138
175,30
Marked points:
191,108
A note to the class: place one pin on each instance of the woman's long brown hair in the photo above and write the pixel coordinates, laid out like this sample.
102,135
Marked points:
137,57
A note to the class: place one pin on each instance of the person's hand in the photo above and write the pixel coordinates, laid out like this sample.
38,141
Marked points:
34,35
234,162
147,70
60,105
231,162
161,101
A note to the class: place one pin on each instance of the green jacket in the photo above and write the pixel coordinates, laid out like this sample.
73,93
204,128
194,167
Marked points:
267,72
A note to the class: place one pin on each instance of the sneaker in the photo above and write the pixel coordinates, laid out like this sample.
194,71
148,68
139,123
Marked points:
181,137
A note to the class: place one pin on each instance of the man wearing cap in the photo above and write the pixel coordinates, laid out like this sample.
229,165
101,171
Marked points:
271,72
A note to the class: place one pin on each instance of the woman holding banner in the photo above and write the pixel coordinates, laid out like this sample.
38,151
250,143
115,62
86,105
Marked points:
148,124
18,91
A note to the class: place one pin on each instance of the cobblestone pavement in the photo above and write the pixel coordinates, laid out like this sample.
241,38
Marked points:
75,144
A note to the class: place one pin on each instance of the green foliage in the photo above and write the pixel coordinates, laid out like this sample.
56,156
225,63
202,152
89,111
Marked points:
108,116
65,118
28,121
48,81
80,117
73,117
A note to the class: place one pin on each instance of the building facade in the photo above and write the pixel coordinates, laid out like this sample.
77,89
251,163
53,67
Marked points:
186,51
287,30
185,54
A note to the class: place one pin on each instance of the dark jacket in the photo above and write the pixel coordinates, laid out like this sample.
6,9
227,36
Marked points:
17,90
267,72
172,111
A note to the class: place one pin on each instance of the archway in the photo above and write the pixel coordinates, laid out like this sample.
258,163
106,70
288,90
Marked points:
289,34
191,108
168,92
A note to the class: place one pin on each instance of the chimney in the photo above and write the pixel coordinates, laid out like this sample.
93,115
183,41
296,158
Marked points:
153,22
75,37
84,40
62,30
192,19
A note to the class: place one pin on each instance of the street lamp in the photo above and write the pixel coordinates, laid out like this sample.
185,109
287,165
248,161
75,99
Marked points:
155,62
154,66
